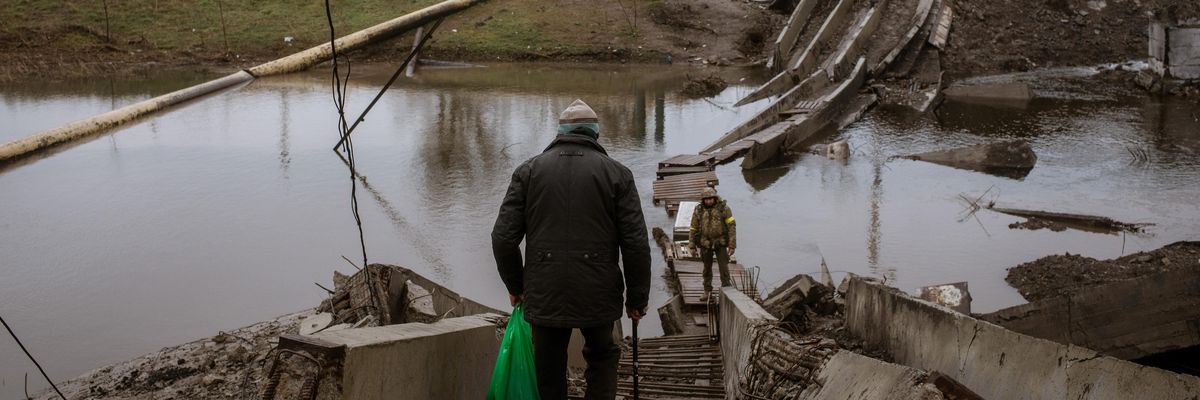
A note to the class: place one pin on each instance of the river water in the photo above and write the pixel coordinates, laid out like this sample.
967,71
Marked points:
225,211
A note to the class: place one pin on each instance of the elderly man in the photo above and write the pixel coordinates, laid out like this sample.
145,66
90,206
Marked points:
577,209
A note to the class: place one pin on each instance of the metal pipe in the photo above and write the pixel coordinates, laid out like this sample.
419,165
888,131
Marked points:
293,63
316,55
114,118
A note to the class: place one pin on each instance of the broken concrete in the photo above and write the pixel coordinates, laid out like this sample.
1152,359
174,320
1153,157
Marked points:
1127,319
1016,94
449,359
740,315
1009,159
799,300
1057,221
995,362
952,295
775,364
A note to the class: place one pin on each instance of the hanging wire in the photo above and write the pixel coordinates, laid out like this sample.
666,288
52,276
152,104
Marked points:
35,361
340,85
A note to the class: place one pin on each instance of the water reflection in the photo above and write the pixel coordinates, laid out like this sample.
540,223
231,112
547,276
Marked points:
224,212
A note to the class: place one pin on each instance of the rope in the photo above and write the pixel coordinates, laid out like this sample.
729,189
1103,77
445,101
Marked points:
35,361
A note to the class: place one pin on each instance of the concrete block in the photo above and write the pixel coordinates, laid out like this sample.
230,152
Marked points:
999,364
449,359
1127,319
852,376
1184,46
1014,94
1091,376
740,316
992,361
1011,158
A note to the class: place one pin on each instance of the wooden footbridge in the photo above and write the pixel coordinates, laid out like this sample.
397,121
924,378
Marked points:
823,57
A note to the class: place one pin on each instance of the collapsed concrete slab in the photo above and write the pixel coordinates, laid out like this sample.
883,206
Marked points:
993,361
1003,94
1012,159
1127,319
763,361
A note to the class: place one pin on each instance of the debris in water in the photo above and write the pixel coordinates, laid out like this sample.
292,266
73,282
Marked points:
1016,94
839,150
709,86
1059,222
1010,159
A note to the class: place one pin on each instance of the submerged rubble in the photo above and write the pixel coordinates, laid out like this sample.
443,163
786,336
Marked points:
1058,222
1013,159
708,86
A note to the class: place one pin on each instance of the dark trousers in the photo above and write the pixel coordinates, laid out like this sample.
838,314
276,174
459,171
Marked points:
550,358
706,256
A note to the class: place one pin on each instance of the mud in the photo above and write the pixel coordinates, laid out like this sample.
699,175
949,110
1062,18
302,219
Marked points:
1009,36
228,365
707,86
1056,275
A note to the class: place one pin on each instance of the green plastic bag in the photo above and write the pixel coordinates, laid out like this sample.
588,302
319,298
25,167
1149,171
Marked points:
514,377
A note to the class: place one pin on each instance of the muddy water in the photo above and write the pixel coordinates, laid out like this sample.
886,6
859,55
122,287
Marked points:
226,211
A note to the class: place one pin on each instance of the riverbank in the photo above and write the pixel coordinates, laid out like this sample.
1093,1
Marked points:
50,39
228,365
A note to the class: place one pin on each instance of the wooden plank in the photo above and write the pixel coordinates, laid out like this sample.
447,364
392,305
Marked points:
685,160
709,177
697,267
669,171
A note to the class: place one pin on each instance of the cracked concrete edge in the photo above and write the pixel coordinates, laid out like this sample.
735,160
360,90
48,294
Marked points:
995,362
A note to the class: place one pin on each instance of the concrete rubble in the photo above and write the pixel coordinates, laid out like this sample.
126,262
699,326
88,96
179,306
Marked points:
1004,94
1012,159
779,359
995,362
1128,319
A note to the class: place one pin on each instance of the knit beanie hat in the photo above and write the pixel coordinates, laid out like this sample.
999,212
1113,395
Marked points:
579,118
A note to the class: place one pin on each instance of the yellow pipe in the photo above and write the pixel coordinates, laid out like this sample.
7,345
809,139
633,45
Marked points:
108,120
316,55
293,63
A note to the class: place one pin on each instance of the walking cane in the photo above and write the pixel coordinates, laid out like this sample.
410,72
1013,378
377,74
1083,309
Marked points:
635,360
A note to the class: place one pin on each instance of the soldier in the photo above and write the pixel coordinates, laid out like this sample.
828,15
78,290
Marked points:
578,211
715,233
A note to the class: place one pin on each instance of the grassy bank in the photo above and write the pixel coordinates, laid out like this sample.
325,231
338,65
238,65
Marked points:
37,34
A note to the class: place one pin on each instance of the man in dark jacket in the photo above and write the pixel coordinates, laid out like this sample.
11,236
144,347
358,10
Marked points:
576,209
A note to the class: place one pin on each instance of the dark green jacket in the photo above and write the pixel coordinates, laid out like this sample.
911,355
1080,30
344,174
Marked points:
713,227
577,210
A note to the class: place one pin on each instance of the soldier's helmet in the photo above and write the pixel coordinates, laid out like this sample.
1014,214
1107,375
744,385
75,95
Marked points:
708,192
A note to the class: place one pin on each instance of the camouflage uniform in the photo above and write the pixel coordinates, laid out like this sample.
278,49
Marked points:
714,232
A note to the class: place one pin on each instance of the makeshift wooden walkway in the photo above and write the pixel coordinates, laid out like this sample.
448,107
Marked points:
674,367
689,276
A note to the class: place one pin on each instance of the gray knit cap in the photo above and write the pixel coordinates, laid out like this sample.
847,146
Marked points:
579,118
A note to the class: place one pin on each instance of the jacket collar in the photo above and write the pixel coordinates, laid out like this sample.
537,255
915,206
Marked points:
574,138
